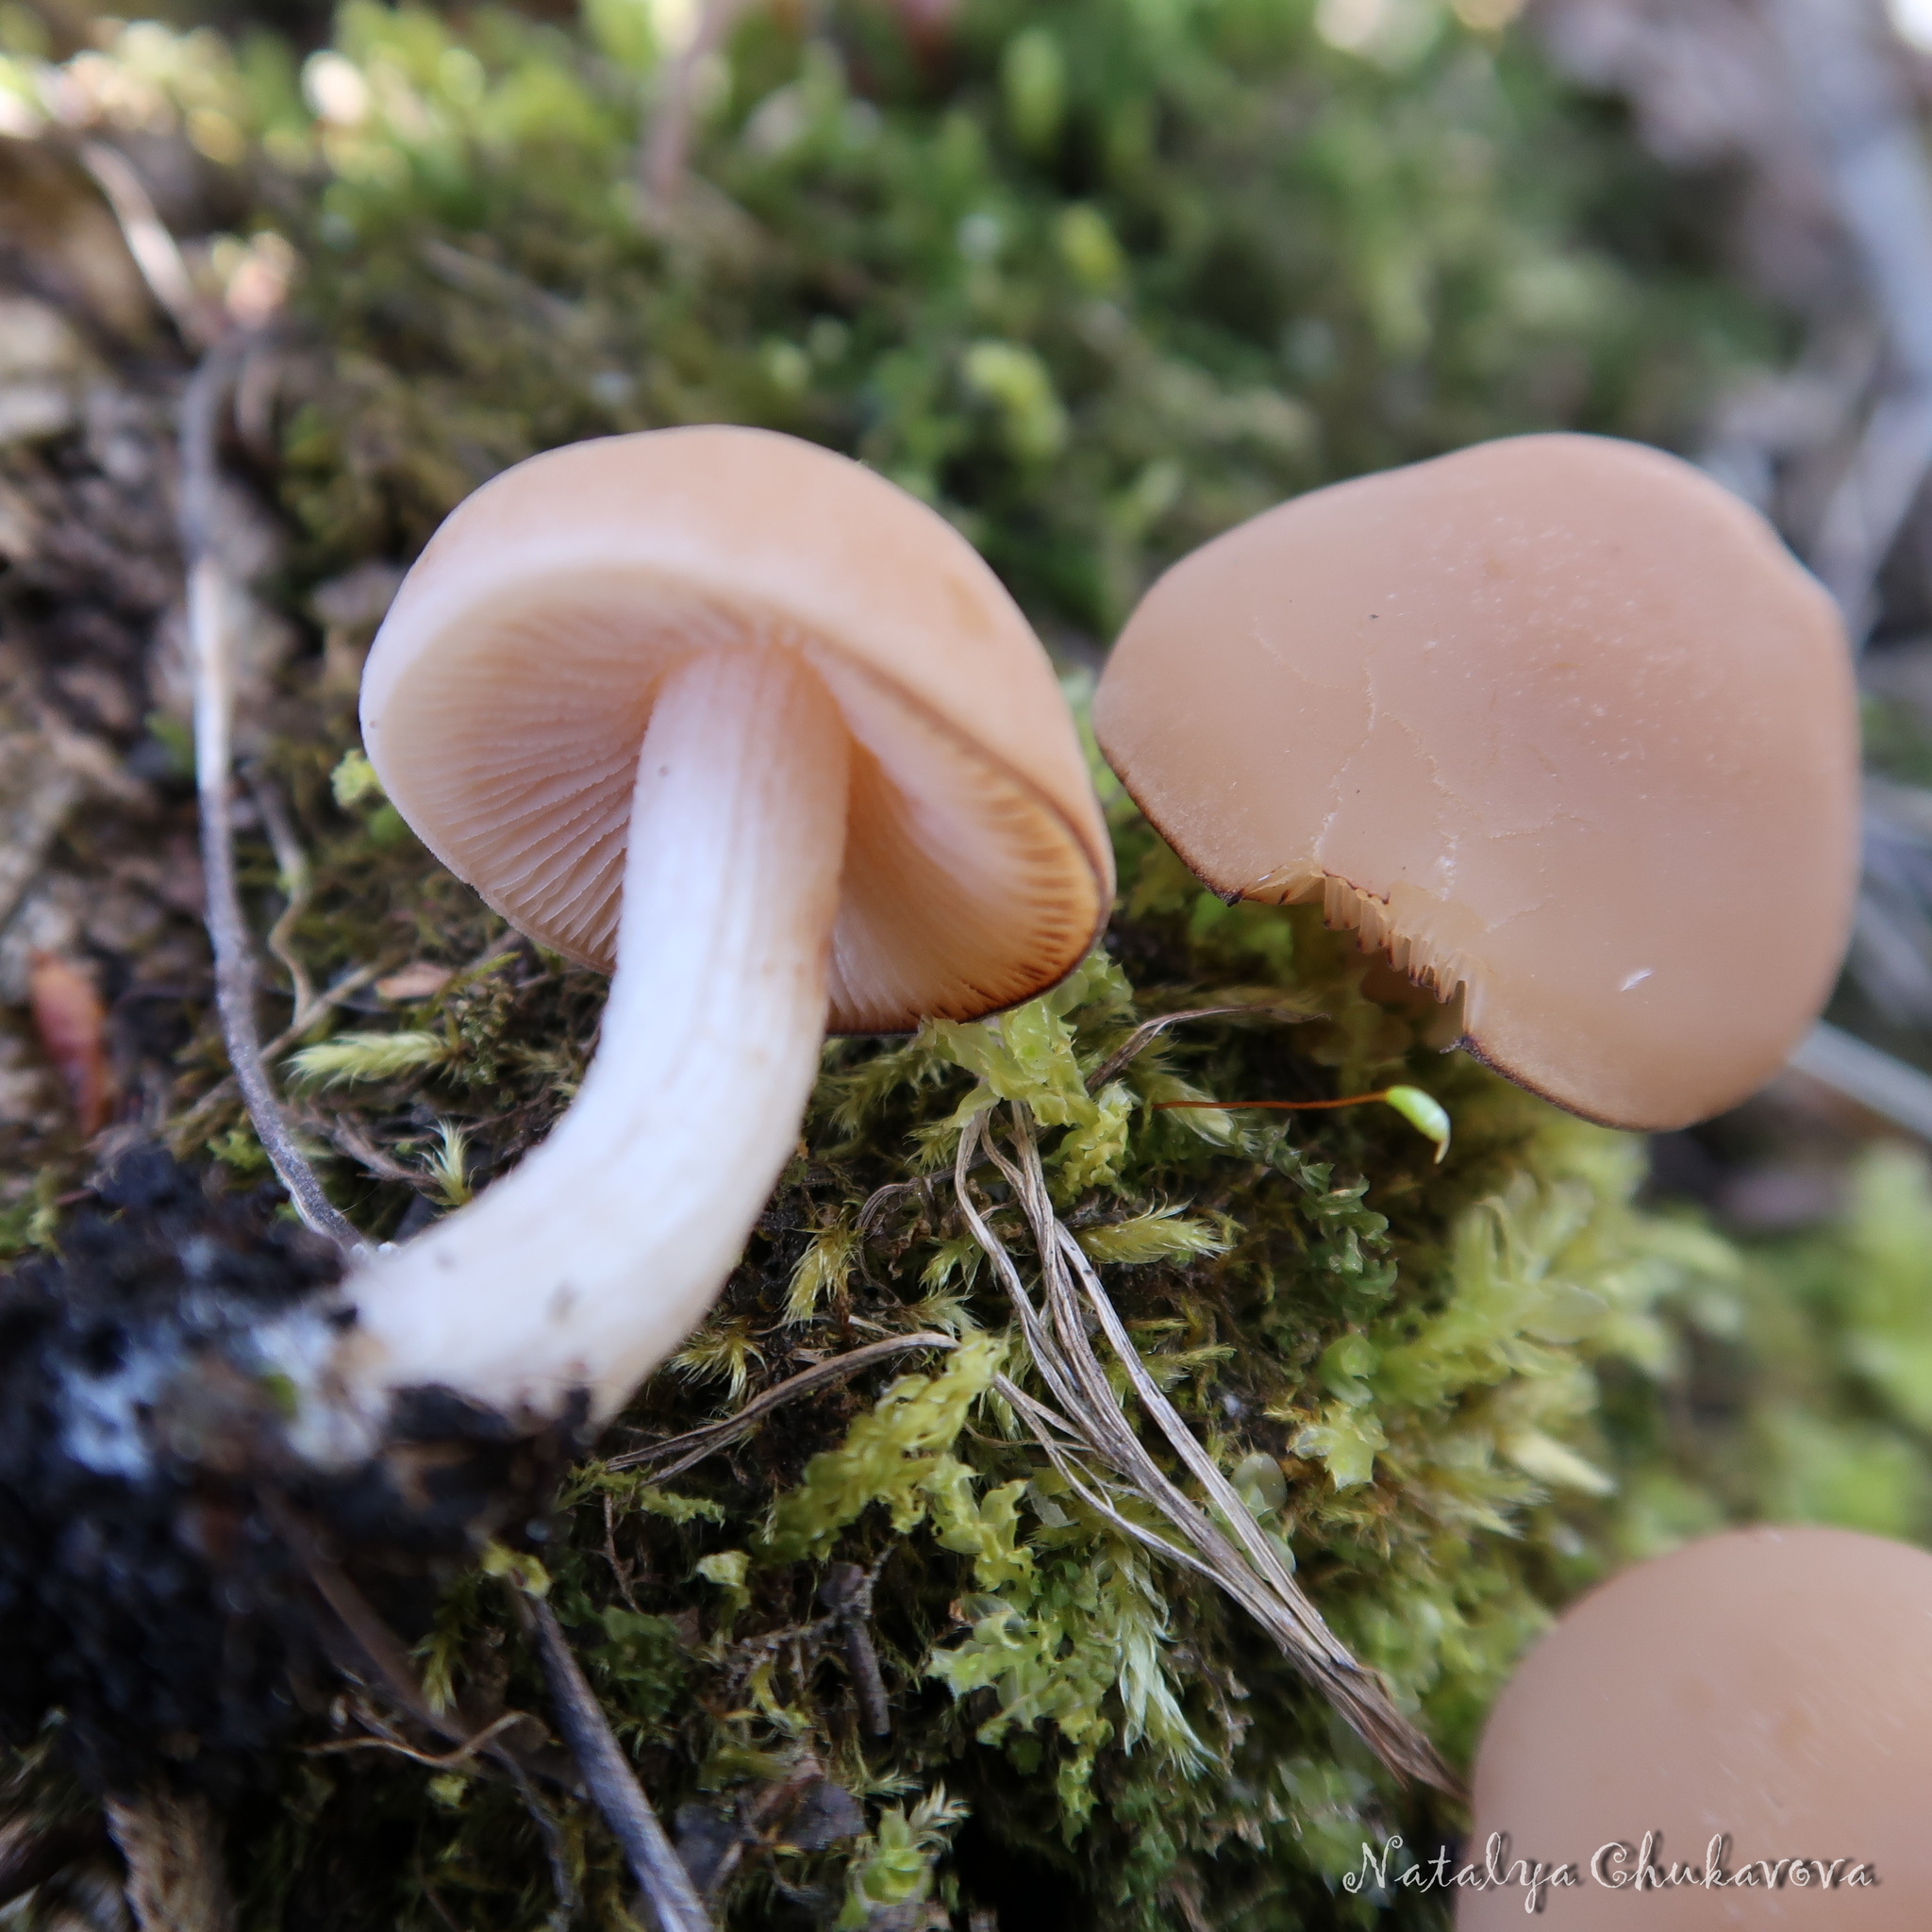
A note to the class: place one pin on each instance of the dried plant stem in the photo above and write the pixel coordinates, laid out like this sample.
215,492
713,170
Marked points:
327,999
667,145
447,1760
846,1593
350,1139
611,1782
154,249
291,863
211,599
1144,1035
695,1444
1220,1541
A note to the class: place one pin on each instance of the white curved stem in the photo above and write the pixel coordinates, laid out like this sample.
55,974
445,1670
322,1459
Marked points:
589,1263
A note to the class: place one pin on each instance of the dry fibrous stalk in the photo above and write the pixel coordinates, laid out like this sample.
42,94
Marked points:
673,1457
608,1772
1220,1541
211,594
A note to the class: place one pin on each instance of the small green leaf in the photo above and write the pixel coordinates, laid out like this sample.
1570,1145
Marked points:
1259,1482
1346,1363
728,1569
1347,1440
353,781
522,1572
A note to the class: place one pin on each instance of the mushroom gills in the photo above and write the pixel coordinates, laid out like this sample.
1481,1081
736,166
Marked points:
1411,951
588,1264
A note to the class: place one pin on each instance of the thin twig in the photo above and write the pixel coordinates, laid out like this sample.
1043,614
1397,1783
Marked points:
291,867
667,143
327,999
876,1203
621,1572
847,1593
610,1781
211,601
380,1644
695,1444
1148,1031
331,995
556,1846
346,1135
154,249
449,1760
386,1657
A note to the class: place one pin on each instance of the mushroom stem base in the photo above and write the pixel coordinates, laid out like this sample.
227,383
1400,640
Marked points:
588,1265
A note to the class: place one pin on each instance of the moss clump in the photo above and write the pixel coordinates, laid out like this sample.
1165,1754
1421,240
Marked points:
1100,278
1398,1364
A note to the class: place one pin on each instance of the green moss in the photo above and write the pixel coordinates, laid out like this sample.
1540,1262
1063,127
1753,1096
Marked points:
1400,1361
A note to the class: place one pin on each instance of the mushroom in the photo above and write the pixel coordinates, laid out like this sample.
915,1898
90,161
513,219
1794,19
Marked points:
1556,722
1767,1687
737,720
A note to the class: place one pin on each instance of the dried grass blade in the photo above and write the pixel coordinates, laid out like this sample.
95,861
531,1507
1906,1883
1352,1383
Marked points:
1249,1571
1148,1031
695,1444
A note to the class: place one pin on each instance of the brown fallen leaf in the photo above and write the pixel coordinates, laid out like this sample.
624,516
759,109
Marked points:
73,1028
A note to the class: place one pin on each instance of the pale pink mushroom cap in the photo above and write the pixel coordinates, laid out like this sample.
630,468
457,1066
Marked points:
1769,1685
1556,721
507,695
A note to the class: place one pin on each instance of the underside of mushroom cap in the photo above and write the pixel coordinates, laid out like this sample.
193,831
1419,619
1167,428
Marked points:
1555,722
507,696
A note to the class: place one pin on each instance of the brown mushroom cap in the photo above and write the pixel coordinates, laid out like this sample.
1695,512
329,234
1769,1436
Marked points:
1555,719
507,695
1766,1684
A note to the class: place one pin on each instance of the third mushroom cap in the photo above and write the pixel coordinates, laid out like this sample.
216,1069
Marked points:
1555,722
